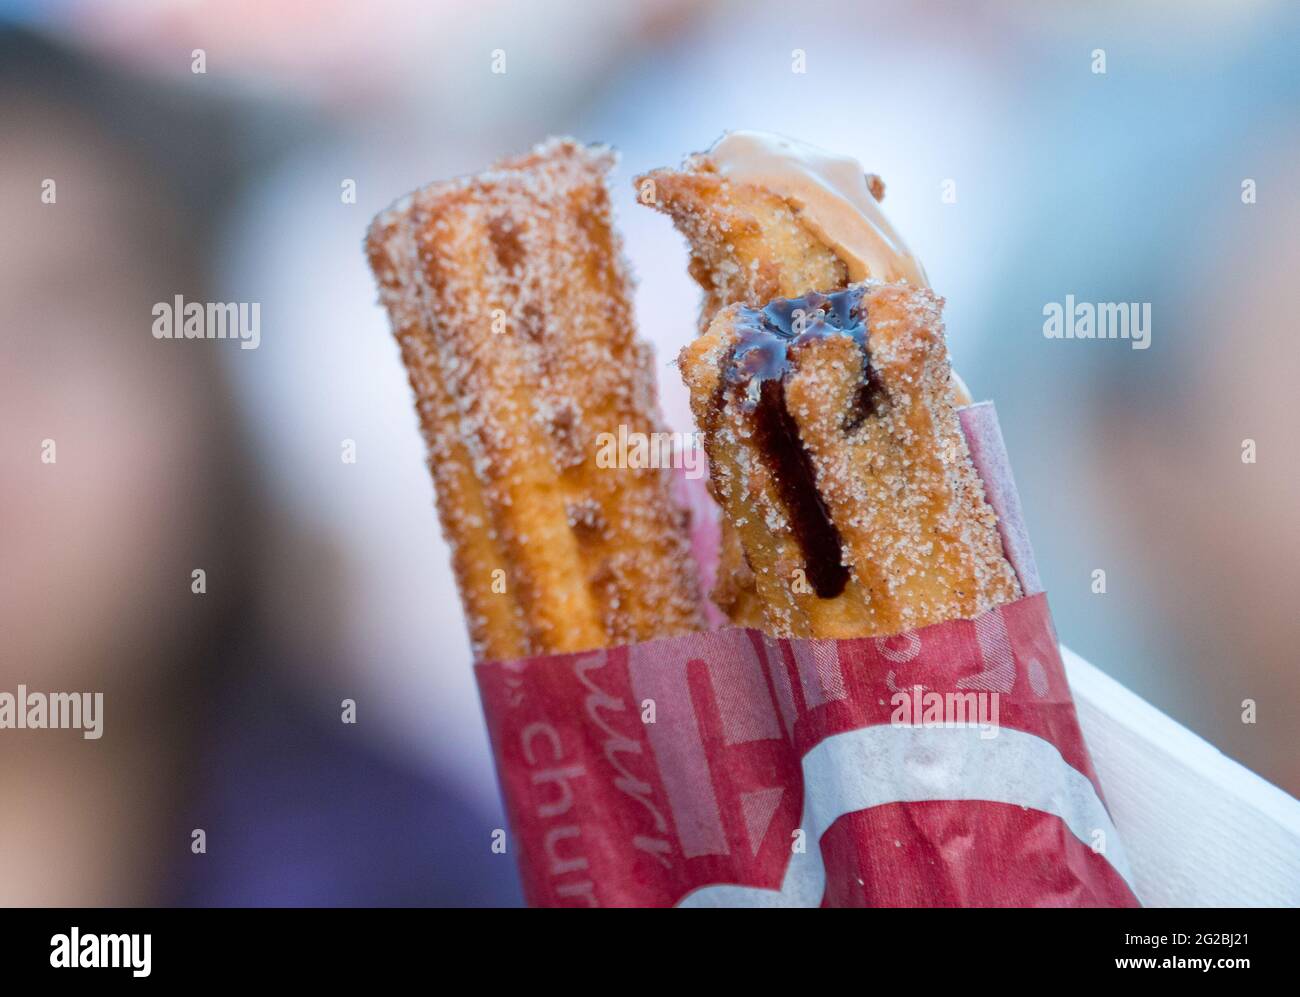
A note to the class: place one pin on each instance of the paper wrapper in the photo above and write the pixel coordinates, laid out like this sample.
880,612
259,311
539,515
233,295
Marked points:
733,769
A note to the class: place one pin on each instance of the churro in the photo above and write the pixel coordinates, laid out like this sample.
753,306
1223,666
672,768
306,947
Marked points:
838,459
768,217
509,296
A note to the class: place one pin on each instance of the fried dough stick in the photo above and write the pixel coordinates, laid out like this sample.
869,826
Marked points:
839,461
758,212
510,297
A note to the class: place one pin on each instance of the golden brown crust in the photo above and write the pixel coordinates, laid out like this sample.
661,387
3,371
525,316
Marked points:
510,296
919,541
733,590
747,244
496,629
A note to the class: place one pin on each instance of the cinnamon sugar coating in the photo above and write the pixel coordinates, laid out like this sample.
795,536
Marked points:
509,296
748,245
888,473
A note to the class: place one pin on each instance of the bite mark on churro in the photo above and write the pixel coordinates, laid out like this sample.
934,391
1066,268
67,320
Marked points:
768,218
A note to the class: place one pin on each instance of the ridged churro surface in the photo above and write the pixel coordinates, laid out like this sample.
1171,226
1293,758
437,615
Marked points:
758,212
510,298
838,459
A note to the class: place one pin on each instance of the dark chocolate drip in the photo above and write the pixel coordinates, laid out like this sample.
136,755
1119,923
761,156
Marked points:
788,459
768,335
758,366
866,401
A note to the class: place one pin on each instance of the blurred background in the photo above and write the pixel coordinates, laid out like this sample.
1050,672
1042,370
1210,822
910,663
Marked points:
328,581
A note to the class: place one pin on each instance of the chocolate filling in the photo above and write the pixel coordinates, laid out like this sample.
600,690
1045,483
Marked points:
777,437
757,368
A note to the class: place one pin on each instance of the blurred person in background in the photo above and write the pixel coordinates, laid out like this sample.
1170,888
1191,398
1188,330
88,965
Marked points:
202,728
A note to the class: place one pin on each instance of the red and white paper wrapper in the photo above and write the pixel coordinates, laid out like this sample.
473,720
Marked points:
729,768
